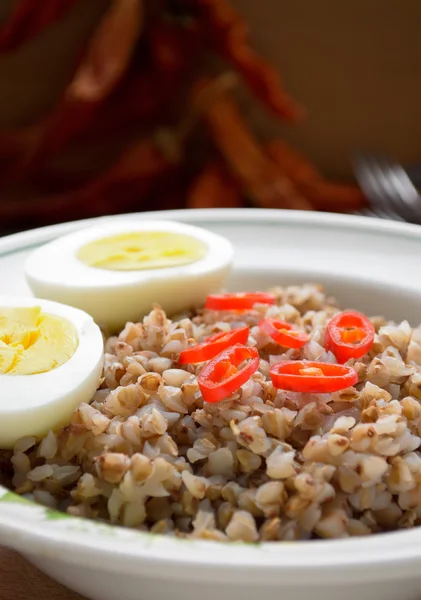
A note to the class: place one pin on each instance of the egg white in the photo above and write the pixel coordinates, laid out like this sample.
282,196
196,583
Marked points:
34,404
115,297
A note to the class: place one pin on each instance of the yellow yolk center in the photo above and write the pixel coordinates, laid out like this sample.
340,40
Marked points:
34,342
142,250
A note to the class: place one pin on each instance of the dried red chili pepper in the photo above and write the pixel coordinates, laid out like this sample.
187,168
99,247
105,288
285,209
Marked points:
255,171
296,166
213,188
309,377
238,301
155,77
100,68
29,19
284,333
213,345
109,52
16,148
323,194
138,169
349,334
333,197
141,164
228,33
221,376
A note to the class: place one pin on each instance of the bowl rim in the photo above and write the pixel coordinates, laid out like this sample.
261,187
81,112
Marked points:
33,237
29,527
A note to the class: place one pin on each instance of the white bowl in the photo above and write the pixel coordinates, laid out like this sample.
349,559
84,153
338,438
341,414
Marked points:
368,264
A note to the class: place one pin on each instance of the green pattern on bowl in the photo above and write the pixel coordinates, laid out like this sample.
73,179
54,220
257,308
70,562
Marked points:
77,524
12,498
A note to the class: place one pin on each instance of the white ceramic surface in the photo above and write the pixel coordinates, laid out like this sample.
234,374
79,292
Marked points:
367,264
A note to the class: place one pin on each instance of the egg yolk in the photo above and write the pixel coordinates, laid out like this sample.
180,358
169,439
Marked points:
34,342
142,250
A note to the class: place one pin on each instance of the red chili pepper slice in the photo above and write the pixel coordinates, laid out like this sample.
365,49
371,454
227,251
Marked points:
213,345
239,301
349,334
283,333
221,376
311,377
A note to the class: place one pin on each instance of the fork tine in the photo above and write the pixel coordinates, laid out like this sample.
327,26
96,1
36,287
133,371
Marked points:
399,190
373,175
379,179
403,185
370,176
379,214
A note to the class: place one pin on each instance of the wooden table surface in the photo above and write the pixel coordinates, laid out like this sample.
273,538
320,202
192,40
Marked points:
21,581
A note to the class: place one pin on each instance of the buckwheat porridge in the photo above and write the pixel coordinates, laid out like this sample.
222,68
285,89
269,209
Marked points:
297,421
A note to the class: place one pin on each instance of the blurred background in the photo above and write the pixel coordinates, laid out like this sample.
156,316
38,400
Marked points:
132,105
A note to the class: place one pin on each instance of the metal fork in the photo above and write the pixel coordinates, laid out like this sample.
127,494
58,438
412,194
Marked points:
389,188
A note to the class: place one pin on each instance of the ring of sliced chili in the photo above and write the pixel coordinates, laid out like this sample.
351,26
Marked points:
238,301
349,334
213,345
284,333
221,376
312,377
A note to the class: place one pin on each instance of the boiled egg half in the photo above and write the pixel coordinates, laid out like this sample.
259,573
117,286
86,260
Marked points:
51,359
116,271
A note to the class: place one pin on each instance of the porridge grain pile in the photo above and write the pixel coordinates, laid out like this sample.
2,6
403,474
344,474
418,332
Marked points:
264,464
